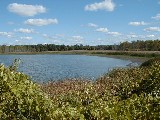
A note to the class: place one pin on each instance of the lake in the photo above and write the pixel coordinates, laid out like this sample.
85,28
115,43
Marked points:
43,68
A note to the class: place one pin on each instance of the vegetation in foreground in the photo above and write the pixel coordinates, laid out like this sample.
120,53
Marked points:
126,93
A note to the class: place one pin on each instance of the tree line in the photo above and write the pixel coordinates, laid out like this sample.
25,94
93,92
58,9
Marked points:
139,45
149,45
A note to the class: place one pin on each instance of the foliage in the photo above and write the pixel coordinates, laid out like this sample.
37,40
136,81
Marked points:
148,45
130,53
150,62
20,98
131,93
15,64
139,45
121,94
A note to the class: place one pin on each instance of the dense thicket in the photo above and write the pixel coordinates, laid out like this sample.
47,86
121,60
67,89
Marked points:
122,94
149,45
20,98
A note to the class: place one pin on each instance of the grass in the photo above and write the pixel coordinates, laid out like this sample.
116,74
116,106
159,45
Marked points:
98,52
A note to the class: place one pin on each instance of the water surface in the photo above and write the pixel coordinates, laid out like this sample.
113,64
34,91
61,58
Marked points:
43,68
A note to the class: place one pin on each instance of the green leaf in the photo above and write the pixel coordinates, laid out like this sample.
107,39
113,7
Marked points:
37,108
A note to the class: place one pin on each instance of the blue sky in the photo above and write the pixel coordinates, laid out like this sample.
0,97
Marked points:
69,22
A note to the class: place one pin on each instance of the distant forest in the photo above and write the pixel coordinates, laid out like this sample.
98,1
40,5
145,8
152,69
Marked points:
149,45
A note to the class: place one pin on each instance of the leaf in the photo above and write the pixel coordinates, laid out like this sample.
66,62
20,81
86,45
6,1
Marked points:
37,108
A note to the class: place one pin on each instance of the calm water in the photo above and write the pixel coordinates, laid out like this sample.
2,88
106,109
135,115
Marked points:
43,68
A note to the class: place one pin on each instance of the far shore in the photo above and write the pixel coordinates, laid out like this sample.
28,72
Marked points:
134,56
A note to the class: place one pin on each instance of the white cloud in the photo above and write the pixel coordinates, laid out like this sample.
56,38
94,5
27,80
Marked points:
114,33
26,38
16,40
60,35
77,40
107,5
138,23
92,25
45,35
150,36
52,39
132,36
49,37
142,37
105,30
102,30
154,29
6,34
26,10
41,22
77,37
157,17
23,30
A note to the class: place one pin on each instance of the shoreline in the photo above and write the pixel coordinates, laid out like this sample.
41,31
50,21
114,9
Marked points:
133,56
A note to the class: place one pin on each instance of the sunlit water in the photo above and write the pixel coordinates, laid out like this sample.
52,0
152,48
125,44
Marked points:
43,68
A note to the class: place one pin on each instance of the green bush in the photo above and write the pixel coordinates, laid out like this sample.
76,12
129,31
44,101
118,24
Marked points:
20,98
122,94
150,62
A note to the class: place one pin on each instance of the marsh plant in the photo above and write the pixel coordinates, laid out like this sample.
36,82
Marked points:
122,94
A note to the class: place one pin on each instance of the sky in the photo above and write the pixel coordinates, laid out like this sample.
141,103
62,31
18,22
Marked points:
70,22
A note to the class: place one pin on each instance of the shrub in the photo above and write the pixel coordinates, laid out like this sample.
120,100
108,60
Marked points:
150,62
20,98
125,93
